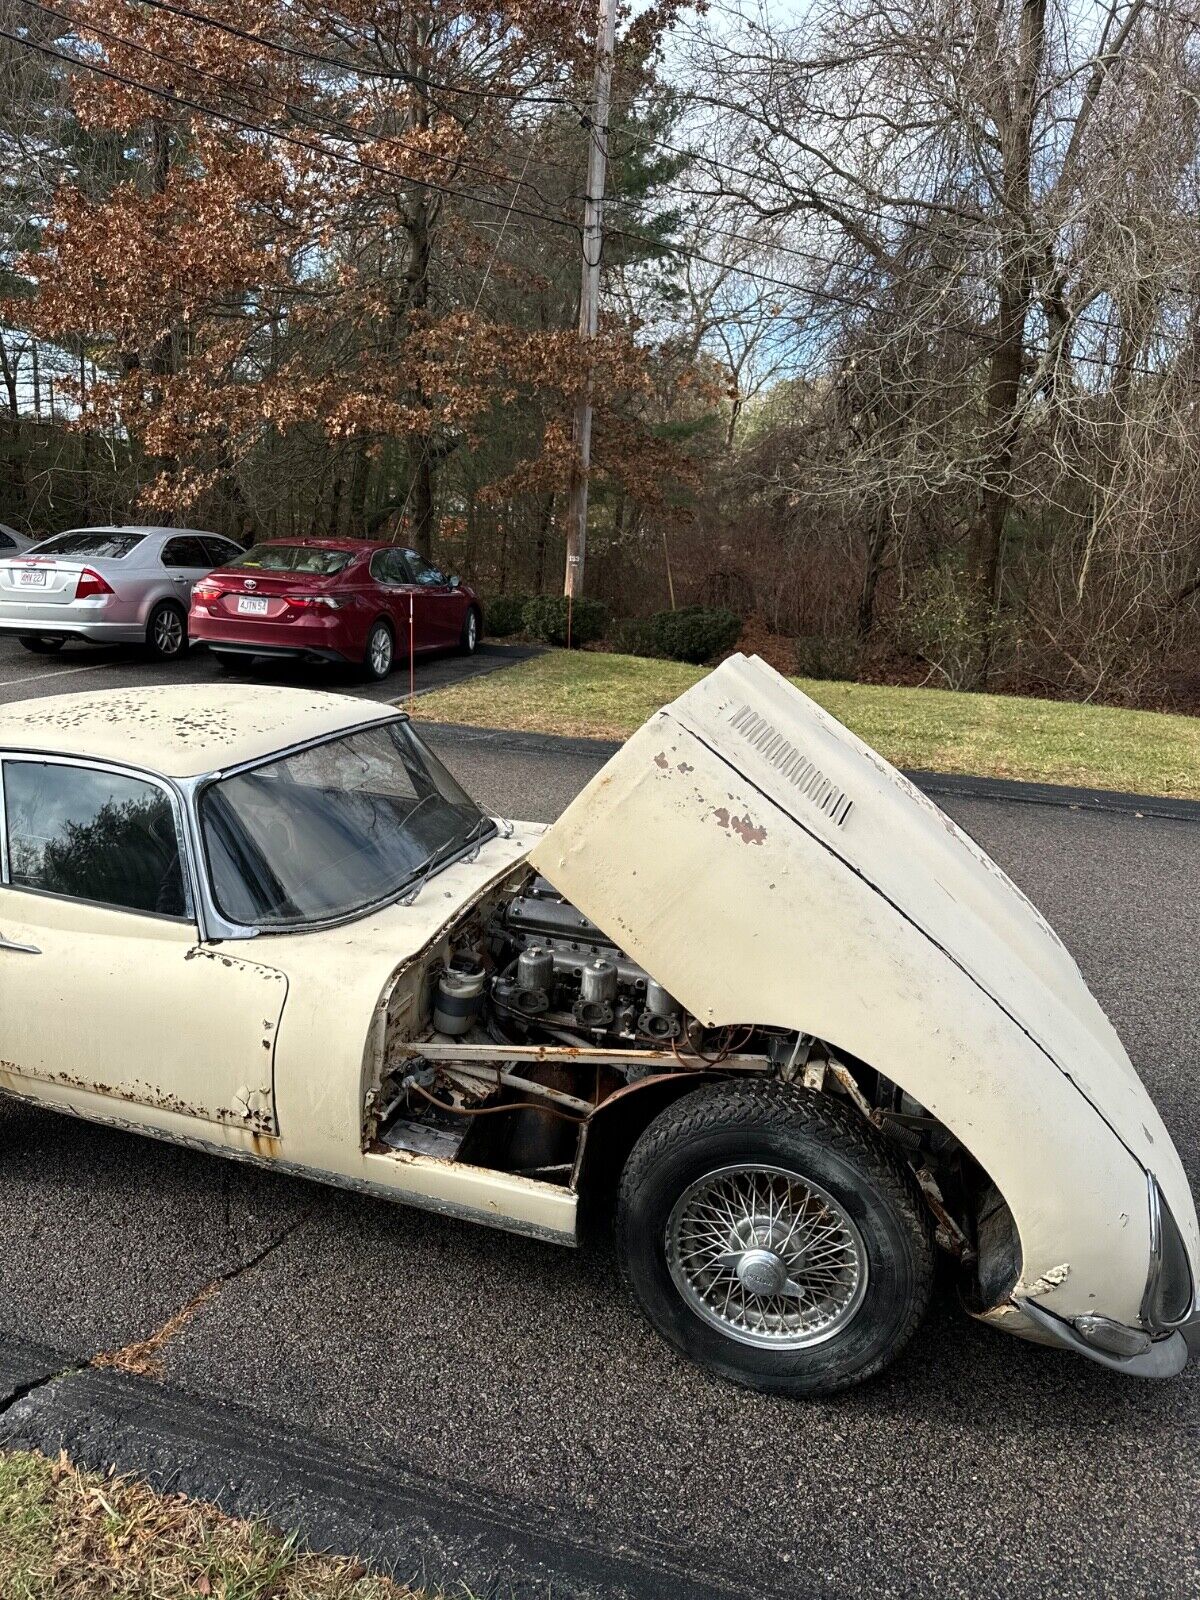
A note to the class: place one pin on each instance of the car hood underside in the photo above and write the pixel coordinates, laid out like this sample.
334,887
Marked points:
744,843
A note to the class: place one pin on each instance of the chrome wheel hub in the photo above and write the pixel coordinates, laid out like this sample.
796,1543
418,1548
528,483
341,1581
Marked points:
168,632
766,1256
381,650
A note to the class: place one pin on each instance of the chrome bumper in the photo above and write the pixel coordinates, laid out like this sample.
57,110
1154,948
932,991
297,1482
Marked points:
1165,1357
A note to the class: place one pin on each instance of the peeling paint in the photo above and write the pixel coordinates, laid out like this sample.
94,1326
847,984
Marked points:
1043,1285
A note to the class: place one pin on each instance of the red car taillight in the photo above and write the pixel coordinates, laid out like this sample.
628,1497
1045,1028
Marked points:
91,583
206,591
308,601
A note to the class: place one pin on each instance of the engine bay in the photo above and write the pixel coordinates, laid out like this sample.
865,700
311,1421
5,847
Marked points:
526,1021
522,1023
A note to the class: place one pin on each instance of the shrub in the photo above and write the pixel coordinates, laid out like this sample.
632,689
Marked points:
633,636
944,621
695,633
545,617
832,657
505,614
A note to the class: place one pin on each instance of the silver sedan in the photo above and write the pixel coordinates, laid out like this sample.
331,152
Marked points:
108,586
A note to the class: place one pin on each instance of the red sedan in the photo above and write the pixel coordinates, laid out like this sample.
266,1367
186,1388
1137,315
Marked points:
332,600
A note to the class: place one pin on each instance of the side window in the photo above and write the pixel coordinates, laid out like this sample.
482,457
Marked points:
221,552
421,571
92,835
187,552
5,542
380,568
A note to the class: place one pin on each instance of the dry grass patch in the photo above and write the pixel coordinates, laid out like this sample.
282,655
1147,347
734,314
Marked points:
70,1535
1046,741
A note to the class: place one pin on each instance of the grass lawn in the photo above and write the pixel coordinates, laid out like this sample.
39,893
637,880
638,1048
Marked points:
68,1535
1049,741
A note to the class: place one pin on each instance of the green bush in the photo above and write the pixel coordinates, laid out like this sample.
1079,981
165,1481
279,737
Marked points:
695,633
944,620
633,636
545,618
505,614
832,657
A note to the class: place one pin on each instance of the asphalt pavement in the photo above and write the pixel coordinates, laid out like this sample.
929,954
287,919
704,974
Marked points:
81,667
504,1385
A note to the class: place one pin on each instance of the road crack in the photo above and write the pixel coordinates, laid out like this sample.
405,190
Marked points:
143,1357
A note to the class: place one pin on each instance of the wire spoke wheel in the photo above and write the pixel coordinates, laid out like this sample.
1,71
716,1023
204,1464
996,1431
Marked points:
767,1257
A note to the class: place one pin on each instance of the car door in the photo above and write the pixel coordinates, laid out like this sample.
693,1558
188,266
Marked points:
440,605
108,1000
186,561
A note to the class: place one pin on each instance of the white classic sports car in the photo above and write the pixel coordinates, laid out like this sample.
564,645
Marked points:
752,982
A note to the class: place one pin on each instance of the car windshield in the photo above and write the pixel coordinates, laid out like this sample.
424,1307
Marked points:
333,830
99,543
294,558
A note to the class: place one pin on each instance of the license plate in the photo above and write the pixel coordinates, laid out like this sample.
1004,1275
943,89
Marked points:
251,606
31,578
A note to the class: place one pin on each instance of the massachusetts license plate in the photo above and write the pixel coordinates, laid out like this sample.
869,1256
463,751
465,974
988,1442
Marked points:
31,578
251,606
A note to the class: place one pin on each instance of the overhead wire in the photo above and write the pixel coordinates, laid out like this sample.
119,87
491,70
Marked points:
811,292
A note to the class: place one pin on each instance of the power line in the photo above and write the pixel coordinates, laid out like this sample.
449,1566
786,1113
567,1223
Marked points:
812,293
810,258
335,126
275,133
387,75
339,126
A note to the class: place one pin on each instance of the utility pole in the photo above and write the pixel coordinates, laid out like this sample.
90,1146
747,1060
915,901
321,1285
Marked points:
589,297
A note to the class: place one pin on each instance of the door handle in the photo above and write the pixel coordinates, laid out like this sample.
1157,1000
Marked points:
21,949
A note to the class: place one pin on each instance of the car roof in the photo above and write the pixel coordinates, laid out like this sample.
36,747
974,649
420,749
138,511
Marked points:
324,544
143,530
184,731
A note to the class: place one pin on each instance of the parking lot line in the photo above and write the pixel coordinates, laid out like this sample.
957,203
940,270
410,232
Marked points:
67,672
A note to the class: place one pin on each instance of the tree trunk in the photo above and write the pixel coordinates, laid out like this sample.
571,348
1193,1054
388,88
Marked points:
1014,290
876,547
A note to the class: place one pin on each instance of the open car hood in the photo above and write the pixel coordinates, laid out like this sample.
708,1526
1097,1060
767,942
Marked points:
744,788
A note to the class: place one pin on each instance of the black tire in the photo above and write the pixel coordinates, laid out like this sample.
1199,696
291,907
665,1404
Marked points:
377,662
39,645
820,1142
167,631
472,632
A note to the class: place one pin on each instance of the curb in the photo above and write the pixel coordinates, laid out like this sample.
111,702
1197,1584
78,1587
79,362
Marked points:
427,1532
952,785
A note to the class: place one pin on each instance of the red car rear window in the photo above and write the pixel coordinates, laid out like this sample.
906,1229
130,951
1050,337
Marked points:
296,558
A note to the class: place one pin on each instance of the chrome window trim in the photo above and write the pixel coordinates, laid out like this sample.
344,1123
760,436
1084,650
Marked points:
123,770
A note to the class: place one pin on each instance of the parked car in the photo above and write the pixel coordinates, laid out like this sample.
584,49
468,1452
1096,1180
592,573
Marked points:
751,975
333,600
12,542
108,586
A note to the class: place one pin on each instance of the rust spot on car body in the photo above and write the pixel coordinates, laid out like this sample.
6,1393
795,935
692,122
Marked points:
747,831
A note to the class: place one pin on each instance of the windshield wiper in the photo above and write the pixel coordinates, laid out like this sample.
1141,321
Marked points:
425,871
475,833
